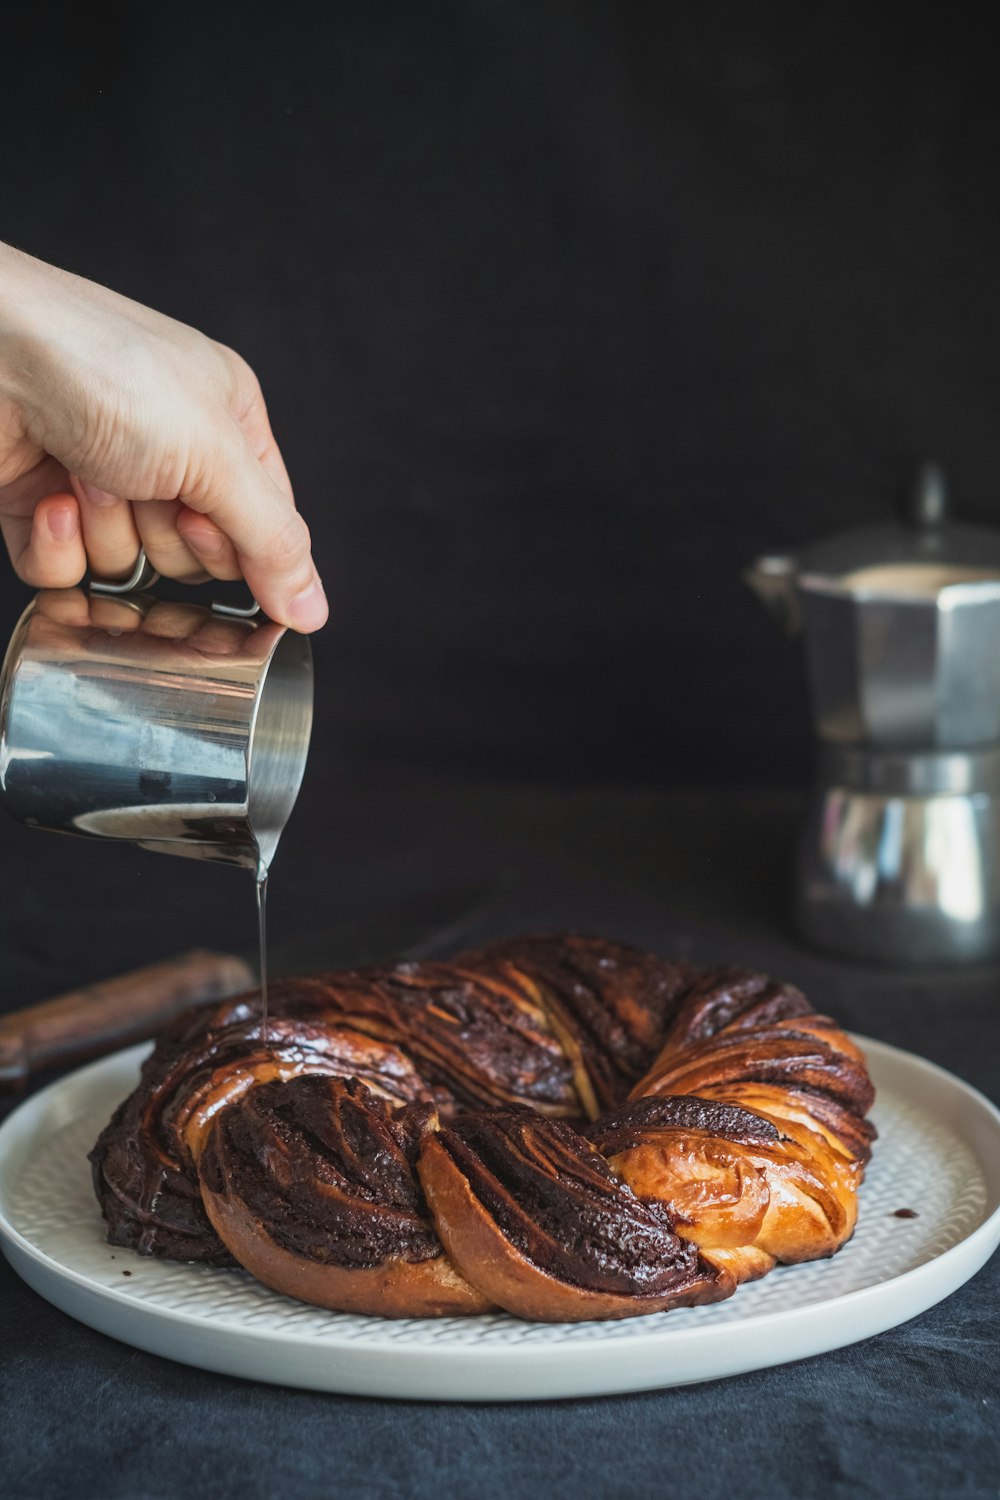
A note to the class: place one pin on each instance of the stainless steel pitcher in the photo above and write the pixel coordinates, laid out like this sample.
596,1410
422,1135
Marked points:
900,625
175,726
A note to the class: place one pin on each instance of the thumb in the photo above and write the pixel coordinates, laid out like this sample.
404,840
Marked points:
271,539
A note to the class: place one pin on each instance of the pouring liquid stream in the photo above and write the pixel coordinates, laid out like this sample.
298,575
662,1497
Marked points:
261,883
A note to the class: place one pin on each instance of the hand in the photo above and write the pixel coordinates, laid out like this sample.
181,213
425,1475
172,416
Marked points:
121,428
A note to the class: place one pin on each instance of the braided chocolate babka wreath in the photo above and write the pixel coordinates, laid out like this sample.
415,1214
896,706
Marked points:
565,1128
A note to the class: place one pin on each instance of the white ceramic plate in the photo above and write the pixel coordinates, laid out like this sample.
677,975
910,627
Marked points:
938,1153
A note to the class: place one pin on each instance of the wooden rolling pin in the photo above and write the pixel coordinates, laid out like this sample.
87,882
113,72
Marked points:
114,1012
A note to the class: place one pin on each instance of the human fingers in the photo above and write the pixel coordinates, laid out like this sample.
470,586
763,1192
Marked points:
250,409
211,547
246,401
110,535
272,541
166,549
46,547
20,495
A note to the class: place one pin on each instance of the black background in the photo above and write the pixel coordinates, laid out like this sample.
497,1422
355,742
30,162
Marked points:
563,312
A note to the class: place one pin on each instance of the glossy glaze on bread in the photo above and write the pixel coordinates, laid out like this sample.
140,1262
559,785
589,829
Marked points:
561,1127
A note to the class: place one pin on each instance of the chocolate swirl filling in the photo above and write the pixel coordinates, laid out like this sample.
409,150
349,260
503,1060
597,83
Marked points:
614,1000
559,1204
644,1119
773,1054
728,997
327,1170
473,1034
142,1164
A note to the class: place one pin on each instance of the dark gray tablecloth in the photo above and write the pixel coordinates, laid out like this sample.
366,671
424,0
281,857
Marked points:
376,863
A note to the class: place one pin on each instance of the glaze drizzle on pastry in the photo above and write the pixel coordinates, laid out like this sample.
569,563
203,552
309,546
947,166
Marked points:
560,1127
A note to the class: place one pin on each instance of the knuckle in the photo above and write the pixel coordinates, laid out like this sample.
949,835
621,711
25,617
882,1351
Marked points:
290,544
243,386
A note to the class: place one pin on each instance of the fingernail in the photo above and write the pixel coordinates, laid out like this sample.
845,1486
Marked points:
309,610
63,522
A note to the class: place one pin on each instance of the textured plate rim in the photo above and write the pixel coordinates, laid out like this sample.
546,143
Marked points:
942,1273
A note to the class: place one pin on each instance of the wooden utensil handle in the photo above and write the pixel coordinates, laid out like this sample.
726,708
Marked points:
114,1012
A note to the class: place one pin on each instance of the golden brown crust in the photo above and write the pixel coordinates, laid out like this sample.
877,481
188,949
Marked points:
394,1289
794,1201
804,1076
